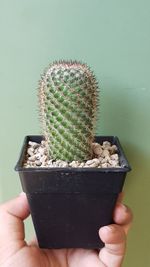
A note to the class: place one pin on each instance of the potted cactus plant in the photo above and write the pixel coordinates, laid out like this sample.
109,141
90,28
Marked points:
69,198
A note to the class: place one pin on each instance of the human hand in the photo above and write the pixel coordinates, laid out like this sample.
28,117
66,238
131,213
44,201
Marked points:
14,251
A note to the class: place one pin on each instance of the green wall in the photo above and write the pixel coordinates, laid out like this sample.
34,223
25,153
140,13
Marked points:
113,37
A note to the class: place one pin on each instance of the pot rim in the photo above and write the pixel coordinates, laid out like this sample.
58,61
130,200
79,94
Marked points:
125,167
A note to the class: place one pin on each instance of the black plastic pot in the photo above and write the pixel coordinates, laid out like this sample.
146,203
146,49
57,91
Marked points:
69,205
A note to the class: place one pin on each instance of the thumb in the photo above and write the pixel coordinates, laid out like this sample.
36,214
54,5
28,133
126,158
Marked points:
12,214
114,238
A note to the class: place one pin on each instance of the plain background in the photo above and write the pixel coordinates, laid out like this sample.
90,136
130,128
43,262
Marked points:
113,37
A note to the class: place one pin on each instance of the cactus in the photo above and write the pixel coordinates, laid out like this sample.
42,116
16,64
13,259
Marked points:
68,104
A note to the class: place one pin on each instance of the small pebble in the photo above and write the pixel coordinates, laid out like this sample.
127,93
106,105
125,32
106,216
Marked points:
30,151
50,162
106,144
41,150
38,163
113,149
74,164
64,164
33,144
97,149
105,153
114,157
92,163
32,158
38,155
105,157
43,159
81,165
61,163
113,163
105,165
43,143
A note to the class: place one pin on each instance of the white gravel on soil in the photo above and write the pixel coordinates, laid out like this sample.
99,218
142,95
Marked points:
104,156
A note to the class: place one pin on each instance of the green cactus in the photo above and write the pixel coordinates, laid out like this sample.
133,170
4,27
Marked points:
68,104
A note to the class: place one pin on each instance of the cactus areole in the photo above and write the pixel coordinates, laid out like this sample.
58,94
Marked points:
68,96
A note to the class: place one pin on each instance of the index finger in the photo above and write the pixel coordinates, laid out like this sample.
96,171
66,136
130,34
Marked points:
12,214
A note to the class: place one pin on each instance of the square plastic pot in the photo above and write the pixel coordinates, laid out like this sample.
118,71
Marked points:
69,205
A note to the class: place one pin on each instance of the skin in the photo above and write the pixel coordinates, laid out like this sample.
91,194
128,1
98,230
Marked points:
15,251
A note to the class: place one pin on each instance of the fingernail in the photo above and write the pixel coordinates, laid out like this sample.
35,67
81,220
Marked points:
110,228
125,208
22,194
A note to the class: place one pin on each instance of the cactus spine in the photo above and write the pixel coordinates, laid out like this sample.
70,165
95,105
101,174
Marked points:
68,102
